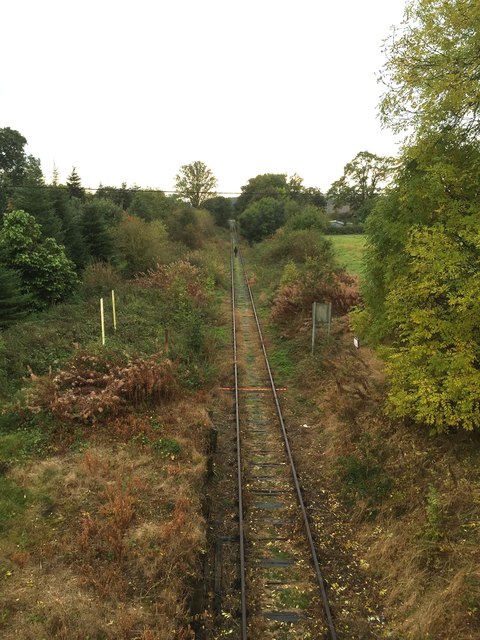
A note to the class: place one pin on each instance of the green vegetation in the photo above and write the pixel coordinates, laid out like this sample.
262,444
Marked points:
423,256
363,476
364,178
270,200
195,183
349,252
434,524
262,218
102,448
46,274
13,502
431,69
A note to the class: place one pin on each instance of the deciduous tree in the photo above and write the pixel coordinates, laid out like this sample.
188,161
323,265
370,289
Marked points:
13,161
139,244
261,219
195,183
46,273
266,185
432,69
363,179
221,209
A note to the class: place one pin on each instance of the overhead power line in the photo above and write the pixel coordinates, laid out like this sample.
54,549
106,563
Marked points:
126,189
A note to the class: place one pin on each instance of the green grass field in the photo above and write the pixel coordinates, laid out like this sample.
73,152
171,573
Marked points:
349,252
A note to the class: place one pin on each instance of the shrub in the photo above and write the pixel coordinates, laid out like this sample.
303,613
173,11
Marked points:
308,217
315,283
299,245
94,387
45,271
139,244
99,278
183,226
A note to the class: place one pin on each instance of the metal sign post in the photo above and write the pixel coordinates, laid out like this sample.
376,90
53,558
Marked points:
321,314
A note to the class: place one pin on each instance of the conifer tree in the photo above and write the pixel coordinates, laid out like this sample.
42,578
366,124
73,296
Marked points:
13,302
74,185
96,236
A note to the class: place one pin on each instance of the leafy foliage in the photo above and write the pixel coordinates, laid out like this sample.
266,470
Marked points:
298,245
152,205
139,244
261,219
195,183
314,283
12,155
267,185
309,275
13,162
99,278
183,226
122,197
363,179
279,187
434,372
33,196
221,208
308,217
431,74
186,300
423,254
96,232
46,273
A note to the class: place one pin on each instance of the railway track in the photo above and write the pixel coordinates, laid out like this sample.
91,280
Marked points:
282,592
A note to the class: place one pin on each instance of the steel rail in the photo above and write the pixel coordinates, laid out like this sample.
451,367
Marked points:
241,536
320,580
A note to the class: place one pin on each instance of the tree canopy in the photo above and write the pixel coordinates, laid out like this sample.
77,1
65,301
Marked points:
280,187
74,185
423,257
45,271
363,179
13,159
261,219
13,162
432,69
195,183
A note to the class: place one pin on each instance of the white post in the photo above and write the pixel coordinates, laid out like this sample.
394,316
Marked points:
113,311
102,321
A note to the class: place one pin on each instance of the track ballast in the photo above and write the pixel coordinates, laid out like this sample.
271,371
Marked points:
282,591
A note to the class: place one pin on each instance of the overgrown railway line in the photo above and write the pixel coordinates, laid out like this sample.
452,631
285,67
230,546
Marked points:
282,592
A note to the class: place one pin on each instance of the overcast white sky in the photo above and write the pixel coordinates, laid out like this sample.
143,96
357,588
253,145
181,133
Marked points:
130,91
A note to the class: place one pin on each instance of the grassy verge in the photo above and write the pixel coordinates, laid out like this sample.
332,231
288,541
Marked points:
103,459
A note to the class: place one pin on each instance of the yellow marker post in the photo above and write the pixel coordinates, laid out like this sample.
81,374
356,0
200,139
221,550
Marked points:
102,321
113,311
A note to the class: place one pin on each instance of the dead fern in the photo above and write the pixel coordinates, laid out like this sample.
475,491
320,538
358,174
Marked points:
93,388
293,301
